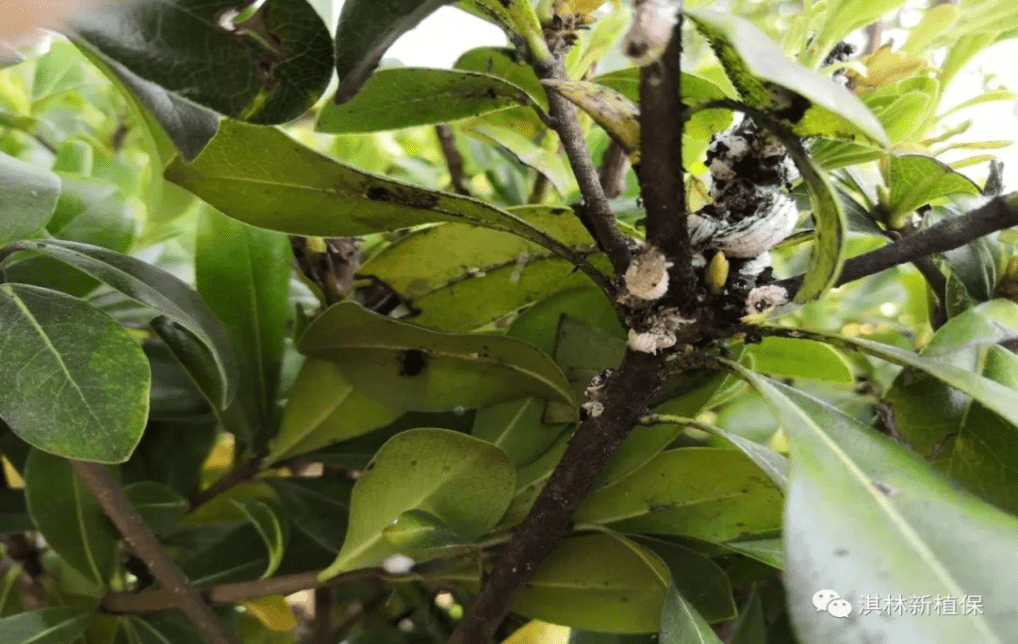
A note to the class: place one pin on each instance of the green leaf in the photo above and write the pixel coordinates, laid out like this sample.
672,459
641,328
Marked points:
515,427
465,482
324,408
167,627
698,579
69,517
831,227
367,28
28,196
461,277
47,626
609,108
264,178
955,433
406,96
158,504
243,273
936,21
890,513
410,368
682,624
90,211
597,582
270,68
416,532
843,17
504,63
318,507
269,528
547,162
716,495
75,383
517,19
916,180
154,288
224,554
755,65
173,123
14,518
800,359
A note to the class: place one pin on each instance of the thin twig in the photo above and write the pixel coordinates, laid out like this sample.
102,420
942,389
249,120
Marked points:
453,158
239,474
159,600
997,214
595,204
143,541
626,394
660,170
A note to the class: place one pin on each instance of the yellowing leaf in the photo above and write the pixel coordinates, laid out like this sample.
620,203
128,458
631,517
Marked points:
618,115
884,67
273,611
538,632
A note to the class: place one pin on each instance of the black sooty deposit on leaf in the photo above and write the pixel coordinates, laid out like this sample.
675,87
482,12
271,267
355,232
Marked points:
412,362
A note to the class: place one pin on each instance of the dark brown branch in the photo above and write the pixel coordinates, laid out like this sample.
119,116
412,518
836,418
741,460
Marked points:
143,541
595,204
625,397
997,214
159,600
453,158
660,169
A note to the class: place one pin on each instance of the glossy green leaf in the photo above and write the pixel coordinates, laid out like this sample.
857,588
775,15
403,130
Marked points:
842,18
269,527
324,408
406,367
755,64
465,482
419,531
546,162
223,554
597,582
902,514
367,28
200,365
915,180
29,196
609,108
69,517
243,274
58,625
712,494
406,96
955,433
318,507
768,551
158,504
800,359
831,227
682,624
75,383
270,68
264,178
516,427
154,288
698,579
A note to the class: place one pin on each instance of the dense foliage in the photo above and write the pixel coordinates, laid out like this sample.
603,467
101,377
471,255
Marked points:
279,337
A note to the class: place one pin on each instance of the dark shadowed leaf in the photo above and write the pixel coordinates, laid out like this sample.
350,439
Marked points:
90,371
406,367
157,289
272,531
407,96
700,581
367,28
464,482
47,626
682,624
70,519
269,68
29,195
158,504
318,507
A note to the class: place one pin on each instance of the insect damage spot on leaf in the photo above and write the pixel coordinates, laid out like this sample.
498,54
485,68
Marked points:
412,362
